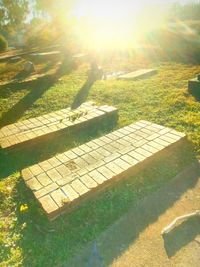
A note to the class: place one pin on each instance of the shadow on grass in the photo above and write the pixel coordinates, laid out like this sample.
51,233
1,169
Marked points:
63,238
37,89
83,93
181,235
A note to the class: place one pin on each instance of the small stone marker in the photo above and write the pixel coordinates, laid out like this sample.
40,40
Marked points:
17,135
29,67
64,181
194,86
139,74
46,53
15,59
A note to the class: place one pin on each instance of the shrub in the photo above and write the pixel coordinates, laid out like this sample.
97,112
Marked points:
179,42
3,44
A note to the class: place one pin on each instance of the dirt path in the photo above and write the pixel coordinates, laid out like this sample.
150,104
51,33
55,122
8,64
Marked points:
135,239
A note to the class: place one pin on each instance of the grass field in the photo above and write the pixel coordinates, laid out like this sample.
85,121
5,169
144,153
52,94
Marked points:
27,238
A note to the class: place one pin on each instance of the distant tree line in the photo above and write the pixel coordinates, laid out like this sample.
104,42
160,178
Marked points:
189,11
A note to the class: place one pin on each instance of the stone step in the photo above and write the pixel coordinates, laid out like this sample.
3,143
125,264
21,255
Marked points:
32,130
64,181
139,74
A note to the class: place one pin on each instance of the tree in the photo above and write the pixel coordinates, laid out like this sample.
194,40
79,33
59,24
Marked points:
13,13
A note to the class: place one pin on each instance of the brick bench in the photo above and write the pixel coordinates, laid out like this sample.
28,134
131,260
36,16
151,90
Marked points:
40,128
64,181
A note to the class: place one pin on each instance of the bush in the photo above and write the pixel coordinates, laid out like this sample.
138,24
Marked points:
179,42
3,44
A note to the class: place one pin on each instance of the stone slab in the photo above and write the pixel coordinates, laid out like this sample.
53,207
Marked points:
139,74
64,181
31,130
194,86
46,53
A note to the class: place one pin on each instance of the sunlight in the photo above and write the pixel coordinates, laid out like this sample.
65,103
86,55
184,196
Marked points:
105,24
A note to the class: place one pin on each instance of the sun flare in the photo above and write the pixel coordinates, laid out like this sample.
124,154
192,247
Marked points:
106,24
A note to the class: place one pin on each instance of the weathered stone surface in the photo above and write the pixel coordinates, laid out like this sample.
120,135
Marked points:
139,74
26,132
65,180
194,86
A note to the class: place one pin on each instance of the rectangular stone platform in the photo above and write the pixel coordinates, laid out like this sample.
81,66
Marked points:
64,181
139,74
194,86
32,130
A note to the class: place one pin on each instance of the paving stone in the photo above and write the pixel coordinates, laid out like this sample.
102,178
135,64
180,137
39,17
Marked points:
62,158
63,170
126,150
27,174
152,137
15,135
107,172
59,197
103,152
144,152
80,163
161,142
70,192
82,172
67,179
54,162
96,155
85,148
150,149
172,136
44,179
36,169
64,181
88,181
49,205
114,167
93,145
79,187
167,139
34,184
112,157
97,176
54,175
45,165
45,190
130,160
122,164
156,145
71,155
136,156
96,165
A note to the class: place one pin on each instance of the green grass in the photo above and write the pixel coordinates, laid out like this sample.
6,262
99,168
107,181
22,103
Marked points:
28,239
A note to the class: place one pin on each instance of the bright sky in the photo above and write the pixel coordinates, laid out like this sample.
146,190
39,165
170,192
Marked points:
95,7
114,23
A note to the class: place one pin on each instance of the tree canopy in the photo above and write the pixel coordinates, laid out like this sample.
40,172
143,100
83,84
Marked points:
13,12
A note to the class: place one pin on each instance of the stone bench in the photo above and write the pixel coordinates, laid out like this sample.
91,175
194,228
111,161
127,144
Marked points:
41,128
64,181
